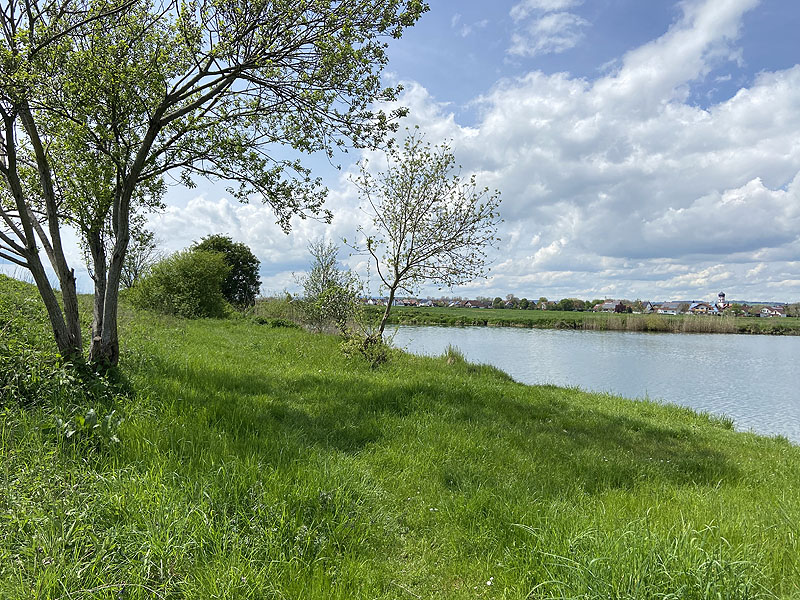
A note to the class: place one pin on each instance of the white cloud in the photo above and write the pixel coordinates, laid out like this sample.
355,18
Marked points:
524,9
551,34
545,27
466,29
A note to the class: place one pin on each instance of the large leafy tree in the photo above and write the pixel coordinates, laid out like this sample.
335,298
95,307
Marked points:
429,224
240,287
101,99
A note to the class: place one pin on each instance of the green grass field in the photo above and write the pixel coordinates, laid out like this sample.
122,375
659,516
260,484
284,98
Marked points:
550,319
258,462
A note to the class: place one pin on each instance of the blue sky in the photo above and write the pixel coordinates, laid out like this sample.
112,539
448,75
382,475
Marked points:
461,48
643,148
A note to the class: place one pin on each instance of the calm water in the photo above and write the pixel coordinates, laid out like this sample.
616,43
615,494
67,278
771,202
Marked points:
753,379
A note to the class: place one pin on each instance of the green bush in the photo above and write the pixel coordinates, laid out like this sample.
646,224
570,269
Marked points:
187,284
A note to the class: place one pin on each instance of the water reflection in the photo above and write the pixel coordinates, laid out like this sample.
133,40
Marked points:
753,379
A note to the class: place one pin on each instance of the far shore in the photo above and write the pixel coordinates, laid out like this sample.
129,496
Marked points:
548,319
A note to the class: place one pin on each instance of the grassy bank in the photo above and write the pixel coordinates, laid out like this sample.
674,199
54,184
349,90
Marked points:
257,462
549,319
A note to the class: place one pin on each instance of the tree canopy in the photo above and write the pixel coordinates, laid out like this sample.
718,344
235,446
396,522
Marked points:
101,100
242,284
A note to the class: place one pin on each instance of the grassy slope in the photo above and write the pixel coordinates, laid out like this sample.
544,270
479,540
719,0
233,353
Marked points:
259,463
550,319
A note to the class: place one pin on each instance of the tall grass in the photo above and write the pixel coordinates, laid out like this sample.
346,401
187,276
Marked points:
259,462
663,323
594,321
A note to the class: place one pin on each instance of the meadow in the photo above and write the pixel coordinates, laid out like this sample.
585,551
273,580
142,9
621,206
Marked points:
551,319
247,458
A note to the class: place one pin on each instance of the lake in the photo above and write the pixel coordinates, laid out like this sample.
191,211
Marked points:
754,379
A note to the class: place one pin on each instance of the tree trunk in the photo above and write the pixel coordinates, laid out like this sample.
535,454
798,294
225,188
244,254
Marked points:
67,337
100,274
53,247
386,312
66,343
105,350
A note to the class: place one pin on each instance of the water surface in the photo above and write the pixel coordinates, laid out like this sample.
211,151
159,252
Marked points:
754,379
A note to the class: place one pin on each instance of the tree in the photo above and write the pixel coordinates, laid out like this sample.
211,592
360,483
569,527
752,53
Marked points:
142,254
497,302
429,224
567,304
524,304
242,284
134,89
330,294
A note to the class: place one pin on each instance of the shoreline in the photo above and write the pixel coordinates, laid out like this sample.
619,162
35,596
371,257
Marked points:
653,323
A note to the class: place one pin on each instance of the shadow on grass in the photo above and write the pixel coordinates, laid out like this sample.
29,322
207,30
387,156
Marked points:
588,447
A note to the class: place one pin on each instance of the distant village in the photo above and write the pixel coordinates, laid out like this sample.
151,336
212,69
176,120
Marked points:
681,307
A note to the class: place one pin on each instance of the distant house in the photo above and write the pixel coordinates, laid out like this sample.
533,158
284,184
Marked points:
671,308
426,303
647,308
476,304
376,301
610,306
700,308
773,311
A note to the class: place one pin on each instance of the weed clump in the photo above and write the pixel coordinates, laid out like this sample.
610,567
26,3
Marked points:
368,346
71,401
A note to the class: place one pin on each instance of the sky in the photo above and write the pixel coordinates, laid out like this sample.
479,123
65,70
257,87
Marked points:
643,149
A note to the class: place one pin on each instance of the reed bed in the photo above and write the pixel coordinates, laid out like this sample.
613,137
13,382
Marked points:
594,321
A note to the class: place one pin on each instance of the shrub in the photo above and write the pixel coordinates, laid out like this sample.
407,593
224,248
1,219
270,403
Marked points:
187,284
368,346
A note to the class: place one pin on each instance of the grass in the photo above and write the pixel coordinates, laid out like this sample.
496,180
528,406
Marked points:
255,461
551,319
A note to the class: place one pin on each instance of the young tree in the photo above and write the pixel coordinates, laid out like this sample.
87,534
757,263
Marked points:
429,224
330,294
135,89
242,284
142,254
